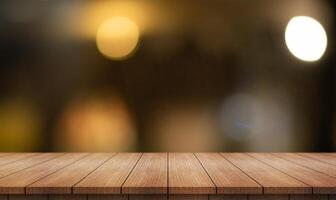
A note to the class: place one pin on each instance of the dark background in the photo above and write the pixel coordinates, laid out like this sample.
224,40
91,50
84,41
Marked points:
206,76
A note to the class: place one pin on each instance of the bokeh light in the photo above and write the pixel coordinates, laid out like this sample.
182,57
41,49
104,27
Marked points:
237,114
96,123
306,38
258,121
184,127
209,79
117,37
20,125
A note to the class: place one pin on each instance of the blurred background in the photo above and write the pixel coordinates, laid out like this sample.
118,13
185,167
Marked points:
167,75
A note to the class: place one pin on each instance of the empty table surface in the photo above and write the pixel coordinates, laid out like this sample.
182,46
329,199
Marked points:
167,174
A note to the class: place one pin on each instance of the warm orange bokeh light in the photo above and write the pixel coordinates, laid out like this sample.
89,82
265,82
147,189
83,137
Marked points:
96,124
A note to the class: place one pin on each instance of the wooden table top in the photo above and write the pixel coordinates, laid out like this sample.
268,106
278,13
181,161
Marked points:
168,173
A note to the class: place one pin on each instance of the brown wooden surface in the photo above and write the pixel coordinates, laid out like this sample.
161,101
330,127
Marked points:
148,197
273,181
25,163
171,197
17,182
187,176
321,183
11,157
108,197
269,197
228,197
121,176
323,157
228,178
150,176
109,178
67,197
62,181
311,163
309,197
30,197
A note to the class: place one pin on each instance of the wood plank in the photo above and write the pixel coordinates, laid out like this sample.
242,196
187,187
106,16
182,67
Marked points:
187,176
108,197
327,158
25,163
228,178
109,177
311,163
137,176
273,181
321,183
150,176
332,197
61,182
16,183
10,157
228,197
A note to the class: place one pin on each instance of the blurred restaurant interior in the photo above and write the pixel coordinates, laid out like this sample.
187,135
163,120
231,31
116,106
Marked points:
167,75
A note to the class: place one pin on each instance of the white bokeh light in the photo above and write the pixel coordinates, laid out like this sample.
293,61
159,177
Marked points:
306,38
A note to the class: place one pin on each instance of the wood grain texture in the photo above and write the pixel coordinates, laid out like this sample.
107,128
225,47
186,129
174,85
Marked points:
16,183
12,157
25,163
273,181
187,176
228,178
311,163
61,182
327,158
321,183
150,176
108,178
162,176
